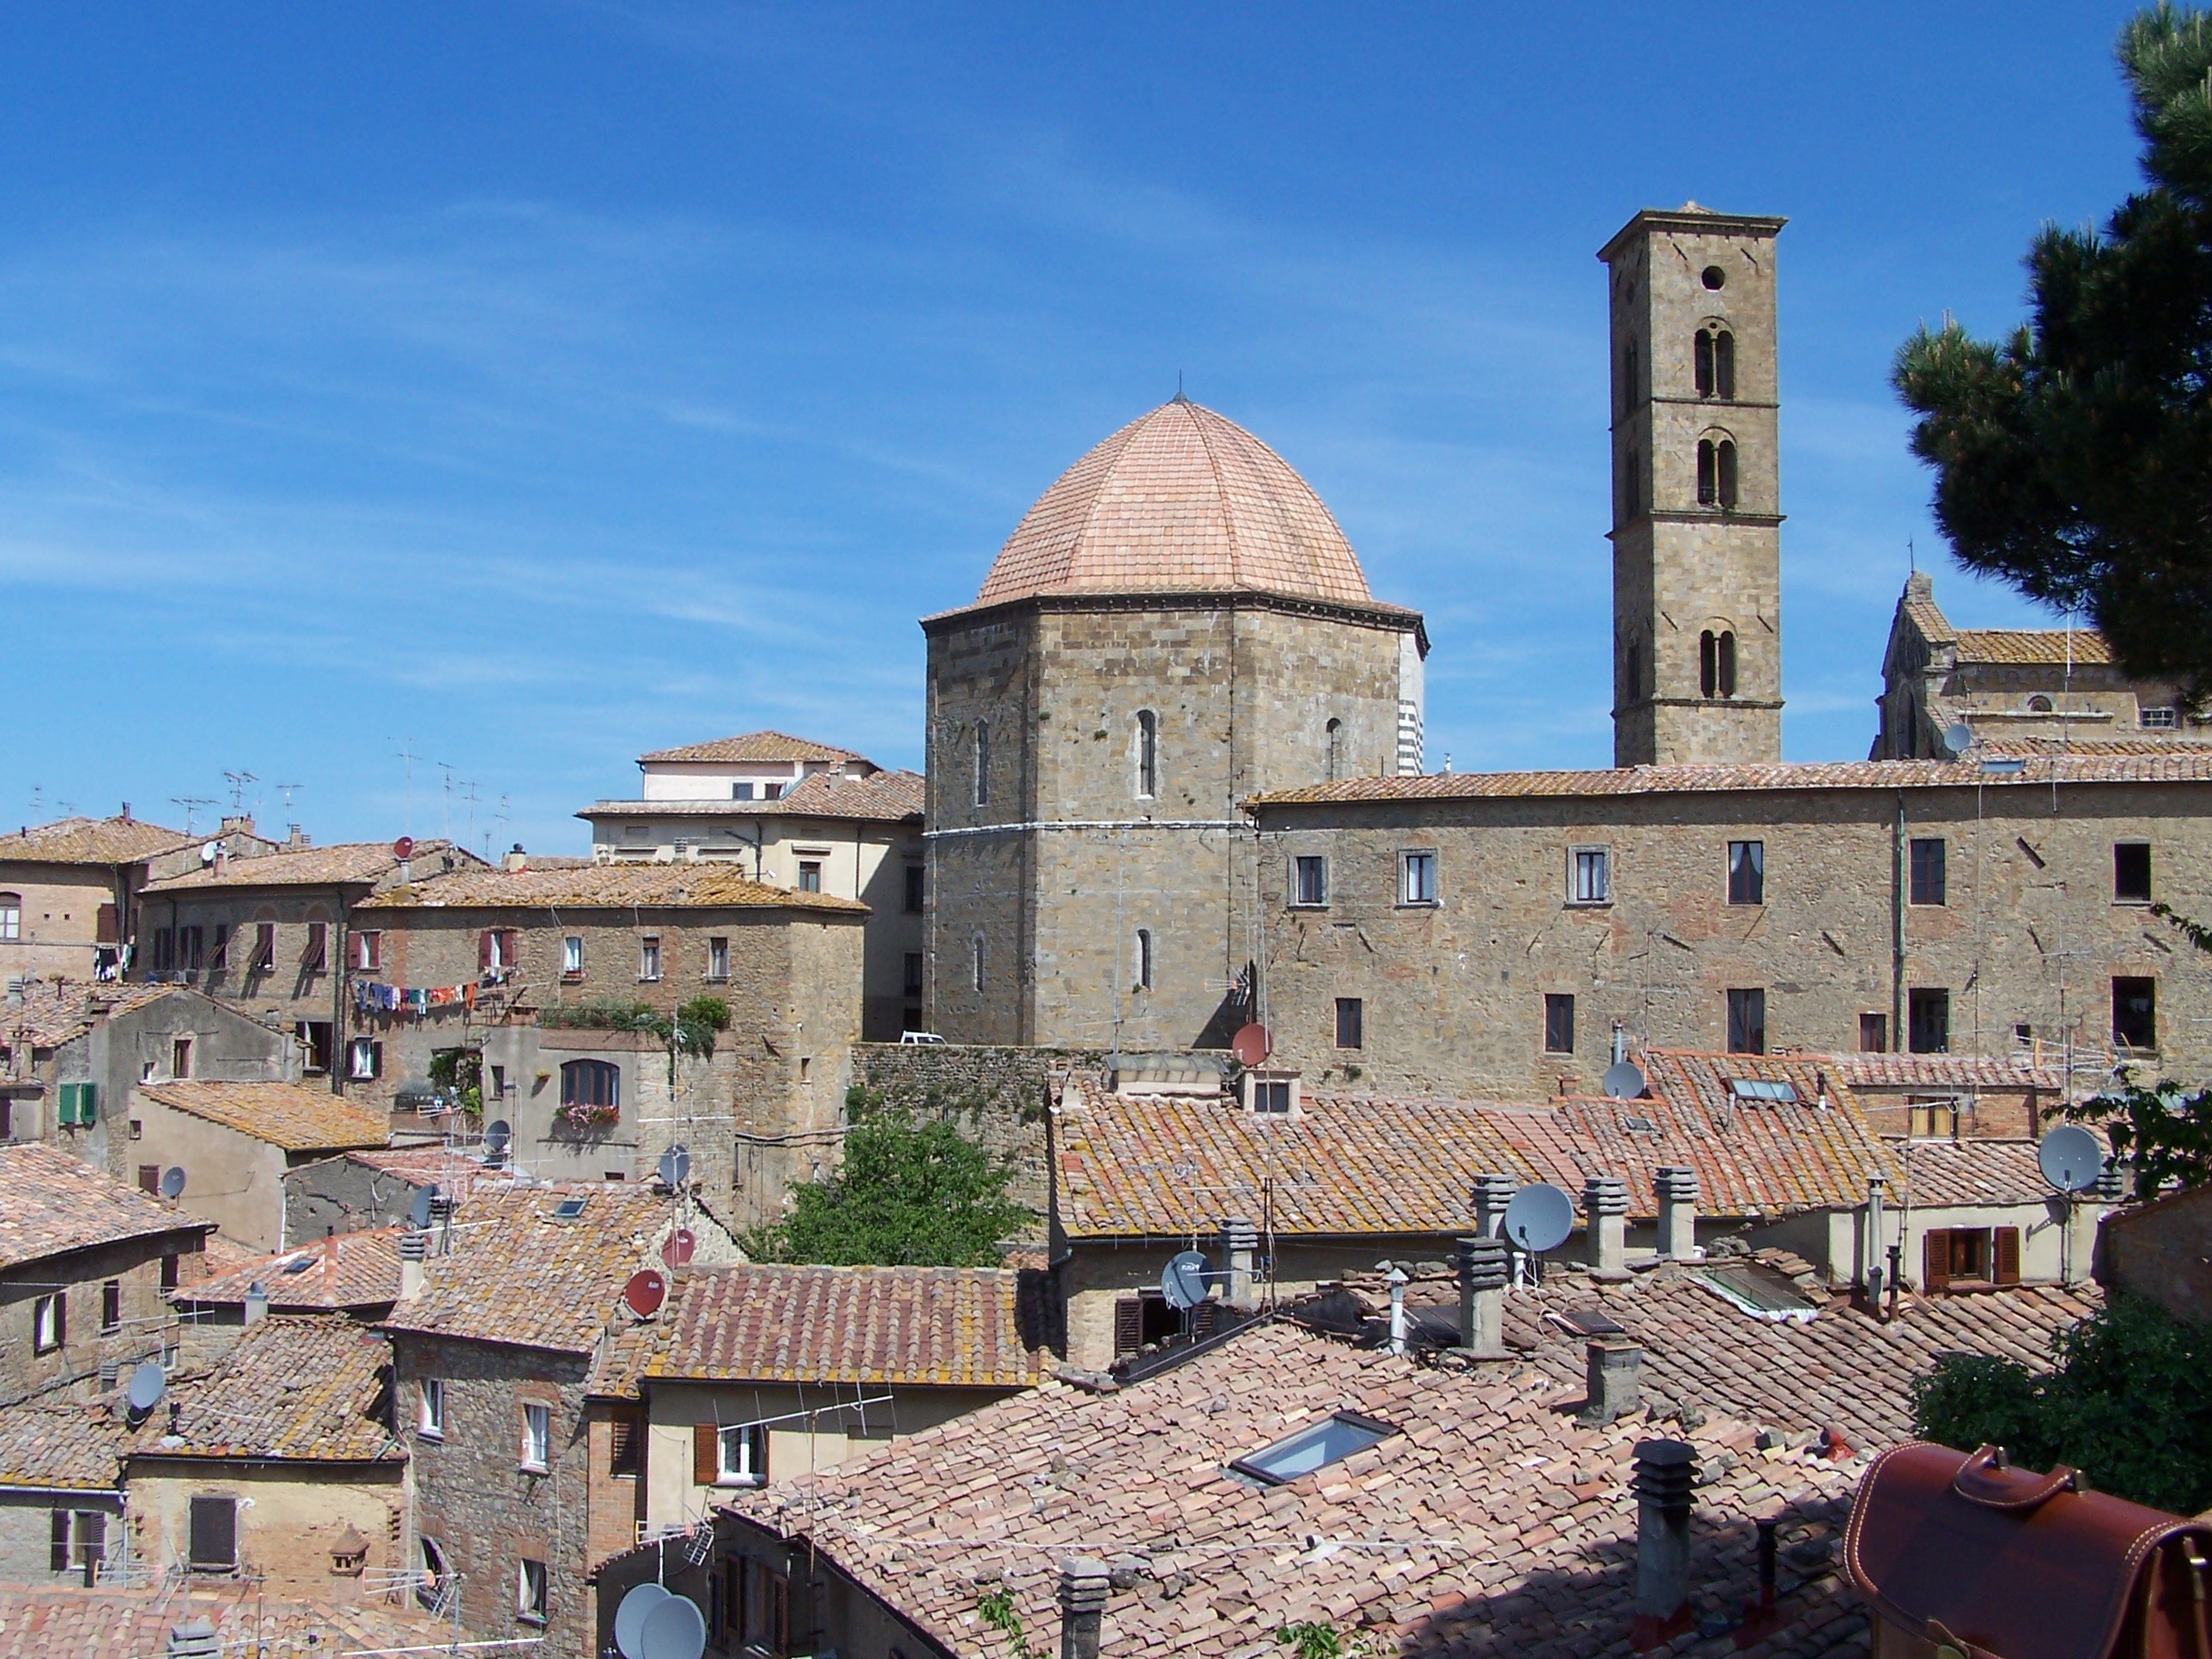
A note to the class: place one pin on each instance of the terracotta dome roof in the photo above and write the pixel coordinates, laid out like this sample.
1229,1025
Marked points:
1179,500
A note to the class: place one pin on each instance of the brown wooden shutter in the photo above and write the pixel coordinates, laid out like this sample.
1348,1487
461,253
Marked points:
1935,1260
59,1558
706,1454
483,951
510,948
1128,1326
2005,1266
1205,1318
622,1441
104,928
149,1178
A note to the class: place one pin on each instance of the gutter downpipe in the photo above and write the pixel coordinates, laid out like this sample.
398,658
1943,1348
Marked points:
1897,930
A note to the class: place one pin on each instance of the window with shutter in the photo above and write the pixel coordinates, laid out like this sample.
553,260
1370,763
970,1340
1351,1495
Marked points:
484,950
2007,1255
1935,1260
149,1177
706,1454
214,1537
1128,1326
622,1443
59,1557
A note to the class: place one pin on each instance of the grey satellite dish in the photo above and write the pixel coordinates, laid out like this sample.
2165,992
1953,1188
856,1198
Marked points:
2071,1158
173,1182
675,1165
148,1382
1183,1280
1624,1080
1959,737
419,1211
641,1600
674,1629
497,1134
1540,1217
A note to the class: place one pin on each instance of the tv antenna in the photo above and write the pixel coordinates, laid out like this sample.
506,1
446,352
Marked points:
287,788
238,782
190,803
406,752
447,767
470,795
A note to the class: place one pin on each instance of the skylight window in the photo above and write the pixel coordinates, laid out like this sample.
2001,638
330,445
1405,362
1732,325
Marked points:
570,1208
1325,1442
1754,1288
298,1264
1751,1088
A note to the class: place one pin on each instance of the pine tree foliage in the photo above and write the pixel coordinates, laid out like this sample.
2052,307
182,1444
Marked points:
2074,459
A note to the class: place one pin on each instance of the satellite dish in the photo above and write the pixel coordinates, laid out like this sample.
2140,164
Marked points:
674,1629
676,1249
2071,1158
675,1165
148,1382
1251,1045
172,1182
208,850
641,1600
645,1292
1623,1081
419,1211
497,1134
404,849
1540,1217
1183,1280
1959,737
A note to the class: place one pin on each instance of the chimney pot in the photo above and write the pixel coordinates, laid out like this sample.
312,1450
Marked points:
1675,1187
413,1247
257,1303
1605,1209
1240,1251
1084,1584
1484,1268
1613,1372
1493,1193
1666,1472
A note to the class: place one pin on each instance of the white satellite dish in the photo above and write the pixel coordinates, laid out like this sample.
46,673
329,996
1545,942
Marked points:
172,1182
1959,738
1540,1217
418,1212
497,1134
148,1382
674,1629
2070,1158
675,1165
641,1600
1624,1080
1183,1280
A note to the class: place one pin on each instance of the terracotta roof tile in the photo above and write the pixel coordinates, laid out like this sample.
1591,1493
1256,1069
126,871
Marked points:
299,1389
1179,500
754,746
880,798
344,1272
959,1327
68,1445
64,1621
1943,1072
1978,1170
56,1204
2032,646
54,1011
362,863
287,1115
520,1276
2166,766
689,884
90,841
447,1168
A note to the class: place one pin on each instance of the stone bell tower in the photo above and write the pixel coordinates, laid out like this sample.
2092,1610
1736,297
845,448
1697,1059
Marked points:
1697,515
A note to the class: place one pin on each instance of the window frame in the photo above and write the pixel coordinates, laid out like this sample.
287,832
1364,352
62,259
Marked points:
649,965
1309,895
1747,873
2124,879
1351,1023
810,875
1148,747
367,952
49,1322
1928,862
572,956
718,958
11,918
533,1591
1917,997
1747,1019
917,889
751,1467
1876,1025
1558,1018
983,759
430,1407
2148,983
1144,958
537,1436
1417,878
587,1065
1576,866
191,1531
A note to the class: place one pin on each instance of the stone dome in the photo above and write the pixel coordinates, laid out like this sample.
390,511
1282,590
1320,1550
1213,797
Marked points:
1178,501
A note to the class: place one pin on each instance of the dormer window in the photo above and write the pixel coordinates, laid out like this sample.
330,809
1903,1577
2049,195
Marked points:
1271,1094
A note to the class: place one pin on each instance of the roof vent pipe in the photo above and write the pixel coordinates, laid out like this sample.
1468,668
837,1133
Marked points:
1082,1586
1605,1208
1397,1283
195,1638
1491,1194
413,1247
1484,1267
1666,1471
1675,1187
257,1303
1872,1277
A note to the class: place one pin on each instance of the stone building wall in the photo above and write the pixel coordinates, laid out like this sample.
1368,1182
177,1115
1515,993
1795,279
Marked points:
289,1514
147,1322
1243,694
296,985
1453,994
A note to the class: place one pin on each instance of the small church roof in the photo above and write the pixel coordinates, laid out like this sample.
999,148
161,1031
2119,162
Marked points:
1179,499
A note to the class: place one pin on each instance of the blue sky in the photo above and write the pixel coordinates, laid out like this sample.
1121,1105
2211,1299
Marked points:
530,386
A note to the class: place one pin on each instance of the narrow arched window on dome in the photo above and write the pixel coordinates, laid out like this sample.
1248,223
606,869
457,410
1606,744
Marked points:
1336,749
1726,471
1708,474
1708,664
1148,754
982,763
1727,664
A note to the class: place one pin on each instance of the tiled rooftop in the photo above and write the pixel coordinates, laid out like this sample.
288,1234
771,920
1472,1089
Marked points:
299,1389
2168,765
65,1621
957,1327
292,1115
359,863
446,1168
1179,499
344,1271
755,746
517,1275
56,1204
684,884
65,1444
90,841
1944,1072
2029,646
1976,1170
1489,1523
52,1013
880,798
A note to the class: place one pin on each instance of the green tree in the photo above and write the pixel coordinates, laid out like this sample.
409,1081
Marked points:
2124,1403
2074,459
910,1194
2164,1131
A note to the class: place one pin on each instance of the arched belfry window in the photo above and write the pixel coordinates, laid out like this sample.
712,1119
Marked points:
1633,675
1629,368
1716,473
1727,664
982,763
1708,664
1714,357
1148,753
1336,749
1144,958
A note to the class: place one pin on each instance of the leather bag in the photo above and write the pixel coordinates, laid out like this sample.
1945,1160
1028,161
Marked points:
1959,1552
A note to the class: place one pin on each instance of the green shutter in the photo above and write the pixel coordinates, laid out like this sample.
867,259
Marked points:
79,1104
67,1116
